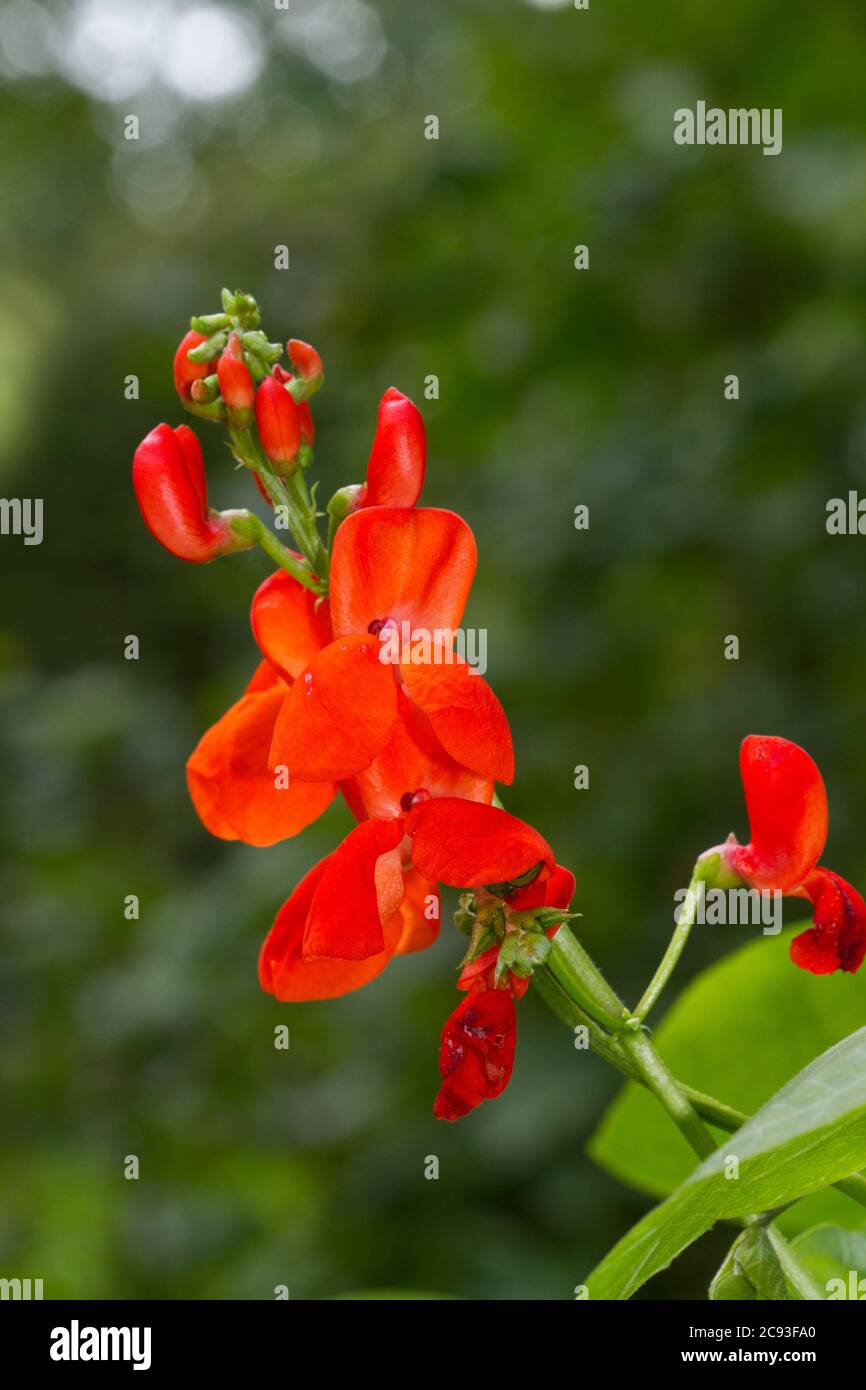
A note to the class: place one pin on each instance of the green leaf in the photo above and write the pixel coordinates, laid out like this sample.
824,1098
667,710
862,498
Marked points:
738,1032
830,1253
811,1133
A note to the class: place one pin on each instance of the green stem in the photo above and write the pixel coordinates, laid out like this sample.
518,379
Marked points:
714,1112
302,514
252,528
290,493
581,978
572,967
676,946
661,1081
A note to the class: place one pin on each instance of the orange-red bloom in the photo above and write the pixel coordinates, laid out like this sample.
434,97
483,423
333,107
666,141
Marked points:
787,805
476,1054
169,480
350,707
325,709
376,895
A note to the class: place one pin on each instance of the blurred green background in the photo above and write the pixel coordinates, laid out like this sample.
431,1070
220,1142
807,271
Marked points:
409,257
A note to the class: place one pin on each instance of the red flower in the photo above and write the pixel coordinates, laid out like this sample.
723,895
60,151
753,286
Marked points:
477,1049
235,382
787,805
169,480
307,362
476,1055
555,891
376,895
186,372
325,707
279,422
395,471
391,566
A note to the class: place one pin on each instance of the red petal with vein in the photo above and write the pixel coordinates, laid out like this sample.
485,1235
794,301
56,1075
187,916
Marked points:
414,565
837,941
476,1056
344,919
465,715
290,626
465,844
395,473
338,714
231,785
284,972
412,759
787,806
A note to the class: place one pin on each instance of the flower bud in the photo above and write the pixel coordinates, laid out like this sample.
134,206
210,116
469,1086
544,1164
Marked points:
235,383
308,369
279,424
169,480
395,472
186,372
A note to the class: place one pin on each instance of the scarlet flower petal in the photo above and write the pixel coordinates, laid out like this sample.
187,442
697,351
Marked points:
476,1056
412,759
556,891
395,472
338,714
466,844
837,941
414,565
290,623
465,715
787,806
419,915
186,372
278,421
169,482
231,786
344,919
284,972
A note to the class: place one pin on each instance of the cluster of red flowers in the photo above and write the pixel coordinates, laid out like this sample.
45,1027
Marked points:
414,746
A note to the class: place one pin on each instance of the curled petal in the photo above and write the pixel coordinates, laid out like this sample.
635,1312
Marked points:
345,918
837,941
232,788
395,472
464,714
476,1056
283,970
338,714
413,565
466,844
787,806
169,482
290,624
